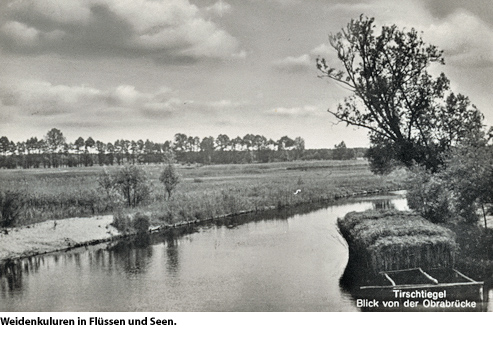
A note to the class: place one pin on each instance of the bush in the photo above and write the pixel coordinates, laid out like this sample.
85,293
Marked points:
428,195
170,179
132,182
106,182
11,203
121,222
141,223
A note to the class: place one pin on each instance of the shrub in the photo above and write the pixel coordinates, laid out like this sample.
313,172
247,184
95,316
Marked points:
132,182
428,195
11,203
170,179
121,222
106,182
141,223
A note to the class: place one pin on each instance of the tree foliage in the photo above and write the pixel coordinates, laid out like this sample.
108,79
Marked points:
55,140
428,195
410,114
170,179
469,175
131,181
341,152
34,153
462,189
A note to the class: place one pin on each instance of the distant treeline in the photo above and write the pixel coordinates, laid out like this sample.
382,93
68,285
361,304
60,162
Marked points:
54,151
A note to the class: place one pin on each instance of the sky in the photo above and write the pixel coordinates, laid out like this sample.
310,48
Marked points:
148,69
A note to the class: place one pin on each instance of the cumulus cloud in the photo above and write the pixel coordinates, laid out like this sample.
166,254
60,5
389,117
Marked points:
294,64
43,99
25,35
46,99
305,62
282,2
171,30
219,8
465,37
305,111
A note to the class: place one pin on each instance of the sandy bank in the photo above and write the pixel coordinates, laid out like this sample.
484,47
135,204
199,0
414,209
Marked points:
54,235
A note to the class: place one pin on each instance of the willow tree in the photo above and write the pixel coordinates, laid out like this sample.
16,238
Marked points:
412,116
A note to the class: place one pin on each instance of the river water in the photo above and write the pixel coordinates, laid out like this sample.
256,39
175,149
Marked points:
279,261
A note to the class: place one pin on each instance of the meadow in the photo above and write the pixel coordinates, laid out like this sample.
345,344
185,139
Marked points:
204,191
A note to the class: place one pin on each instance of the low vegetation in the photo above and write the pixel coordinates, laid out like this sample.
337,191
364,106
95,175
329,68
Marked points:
11,204
203,191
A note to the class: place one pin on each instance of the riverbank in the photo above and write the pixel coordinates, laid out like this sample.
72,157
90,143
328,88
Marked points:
69,197
55,235
64,234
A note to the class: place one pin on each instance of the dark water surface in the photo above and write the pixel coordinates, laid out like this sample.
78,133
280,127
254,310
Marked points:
276,262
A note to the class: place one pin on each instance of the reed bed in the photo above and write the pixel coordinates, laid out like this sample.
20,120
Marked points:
394,240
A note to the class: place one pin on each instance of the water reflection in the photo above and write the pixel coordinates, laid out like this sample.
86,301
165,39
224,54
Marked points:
172,253
289,260
384,205
11,278
13,271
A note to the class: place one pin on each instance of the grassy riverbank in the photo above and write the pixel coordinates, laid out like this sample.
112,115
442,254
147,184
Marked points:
204,192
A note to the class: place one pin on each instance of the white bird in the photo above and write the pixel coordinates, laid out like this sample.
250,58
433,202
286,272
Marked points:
297,191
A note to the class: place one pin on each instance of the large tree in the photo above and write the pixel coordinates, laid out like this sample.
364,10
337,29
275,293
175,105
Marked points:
412,117
55,142
55,139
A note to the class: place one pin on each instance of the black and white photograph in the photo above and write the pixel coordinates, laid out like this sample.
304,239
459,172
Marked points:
244,156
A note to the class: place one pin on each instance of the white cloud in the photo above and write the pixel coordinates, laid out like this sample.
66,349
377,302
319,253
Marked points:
46,99
323,50
305,111
282,2
24,34
169,30
306,61
295,64
466,40
43,99
219,8
217,106
60,11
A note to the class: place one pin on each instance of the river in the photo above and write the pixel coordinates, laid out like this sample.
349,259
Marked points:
276,261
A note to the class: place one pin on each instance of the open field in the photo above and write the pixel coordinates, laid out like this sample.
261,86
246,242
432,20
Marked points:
204,191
